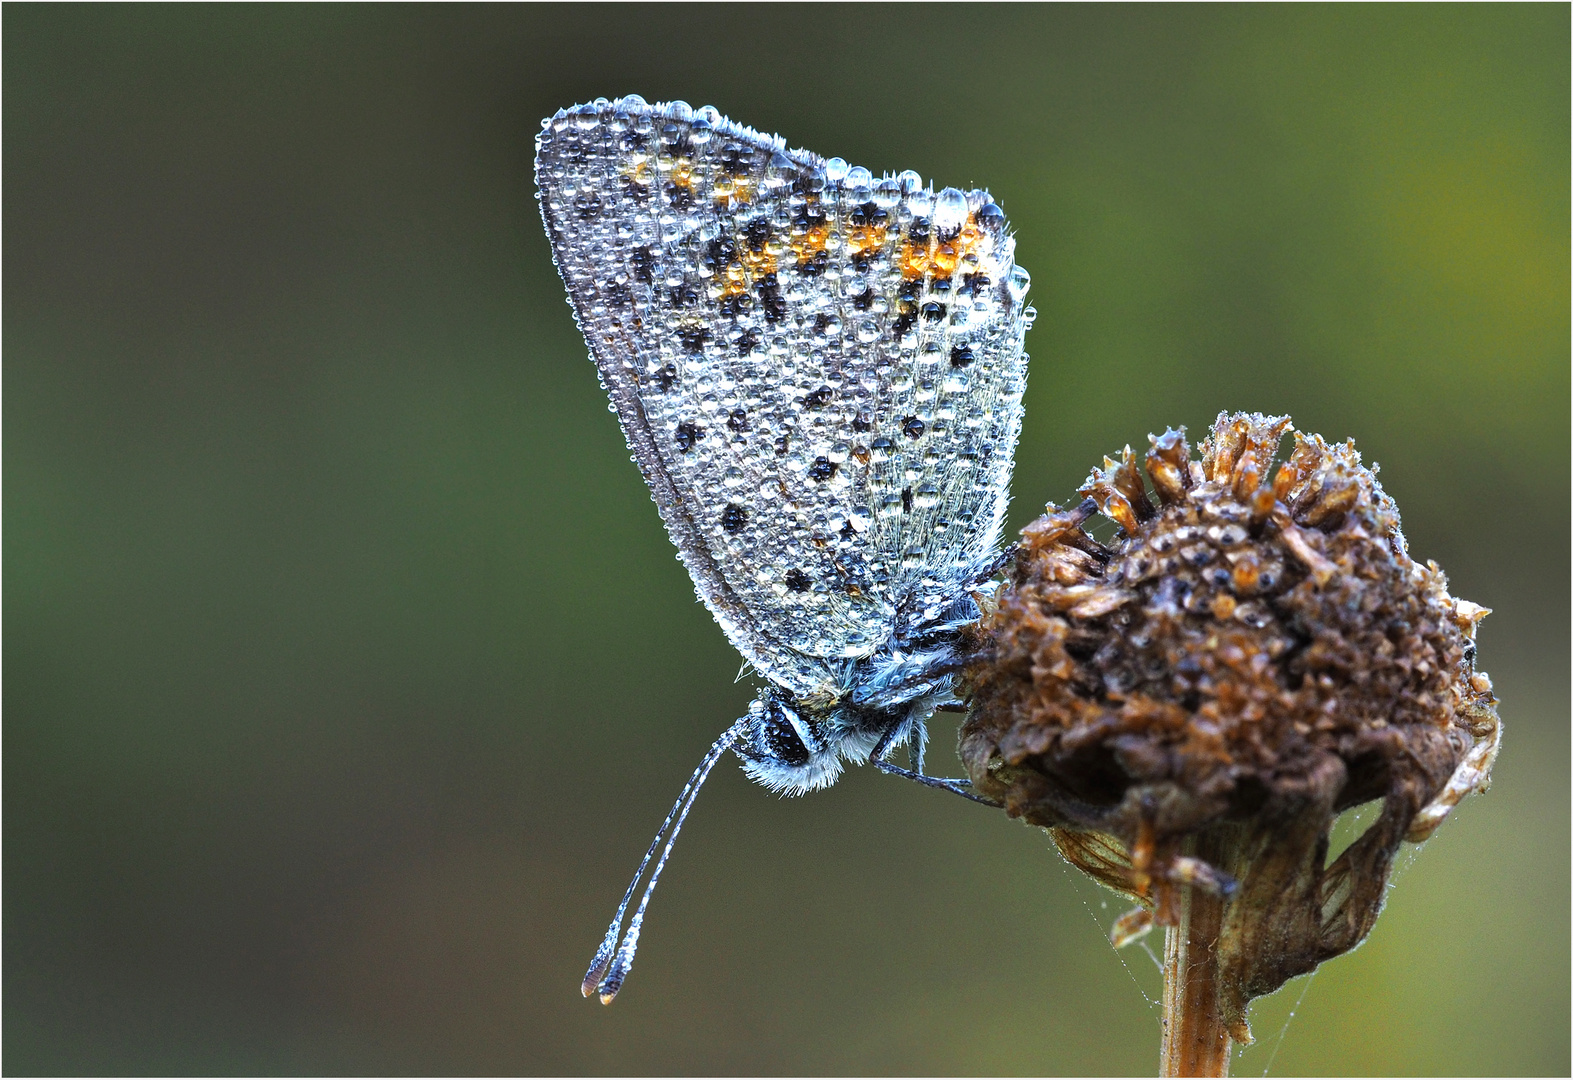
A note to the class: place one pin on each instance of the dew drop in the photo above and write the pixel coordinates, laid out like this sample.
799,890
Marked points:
950,211
1017,283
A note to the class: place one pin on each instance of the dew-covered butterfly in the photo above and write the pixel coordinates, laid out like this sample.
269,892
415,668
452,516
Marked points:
819,373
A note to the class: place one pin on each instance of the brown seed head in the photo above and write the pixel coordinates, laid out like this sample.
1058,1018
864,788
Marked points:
1252,654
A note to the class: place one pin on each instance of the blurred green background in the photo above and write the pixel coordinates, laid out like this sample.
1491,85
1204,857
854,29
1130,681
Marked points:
349,669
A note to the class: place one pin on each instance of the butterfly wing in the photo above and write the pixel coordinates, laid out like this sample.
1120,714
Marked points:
818,373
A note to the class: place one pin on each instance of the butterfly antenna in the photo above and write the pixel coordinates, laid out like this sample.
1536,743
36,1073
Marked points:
611,963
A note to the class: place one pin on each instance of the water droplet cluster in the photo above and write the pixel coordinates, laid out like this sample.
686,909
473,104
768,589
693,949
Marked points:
819,371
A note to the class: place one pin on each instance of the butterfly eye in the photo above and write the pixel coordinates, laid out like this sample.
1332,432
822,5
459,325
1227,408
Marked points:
783,742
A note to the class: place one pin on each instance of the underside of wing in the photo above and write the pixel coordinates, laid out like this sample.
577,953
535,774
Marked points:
818,372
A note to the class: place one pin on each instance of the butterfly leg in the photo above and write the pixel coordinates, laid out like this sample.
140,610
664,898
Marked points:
999,563
880,758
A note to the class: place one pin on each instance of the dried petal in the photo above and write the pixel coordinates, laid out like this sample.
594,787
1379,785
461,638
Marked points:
1193,705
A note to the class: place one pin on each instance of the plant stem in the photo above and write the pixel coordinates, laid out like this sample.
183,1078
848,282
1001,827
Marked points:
1195,1041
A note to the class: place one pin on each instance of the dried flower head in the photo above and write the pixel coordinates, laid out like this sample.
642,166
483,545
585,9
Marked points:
1193,703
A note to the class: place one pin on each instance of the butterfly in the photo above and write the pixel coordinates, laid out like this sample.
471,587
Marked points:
819,374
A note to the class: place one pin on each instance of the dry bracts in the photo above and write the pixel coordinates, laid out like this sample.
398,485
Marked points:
1191,703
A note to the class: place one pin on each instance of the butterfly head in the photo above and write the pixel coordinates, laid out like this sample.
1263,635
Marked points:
794,747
